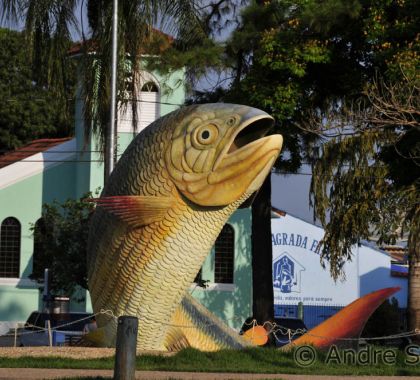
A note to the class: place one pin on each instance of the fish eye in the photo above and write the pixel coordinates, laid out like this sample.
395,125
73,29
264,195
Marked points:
205,135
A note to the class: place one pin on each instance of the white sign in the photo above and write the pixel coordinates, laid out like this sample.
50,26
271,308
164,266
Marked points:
297,272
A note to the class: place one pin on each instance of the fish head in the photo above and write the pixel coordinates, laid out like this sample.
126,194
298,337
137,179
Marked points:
220,152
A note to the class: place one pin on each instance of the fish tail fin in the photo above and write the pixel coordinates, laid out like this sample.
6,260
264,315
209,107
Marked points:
194,326
346,326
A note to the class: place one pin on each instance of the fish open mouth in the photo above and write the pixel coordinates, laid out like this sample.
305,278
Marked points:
246,159
251,132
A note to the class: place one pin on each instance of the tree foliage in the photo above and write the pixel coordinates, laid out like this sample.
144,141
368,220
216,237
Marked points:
61,244
283,63
286,59
366,180
313,65
137,37
341,79
367,176
29,109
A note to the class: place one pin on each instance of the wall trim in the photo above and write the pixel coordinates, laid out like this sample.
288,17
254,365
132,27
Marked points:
18,282
215,287
21,170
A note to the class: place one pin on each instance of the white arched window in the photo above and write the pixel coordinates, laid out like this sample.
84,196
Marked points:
148,105
10,233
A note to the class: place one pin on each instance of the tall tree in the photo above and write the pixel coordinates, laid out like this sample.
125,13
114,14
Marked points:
274,53
306,61
376,149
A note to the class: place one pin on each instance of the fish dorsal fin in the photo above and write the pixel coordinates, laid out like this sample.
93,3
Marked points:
136,210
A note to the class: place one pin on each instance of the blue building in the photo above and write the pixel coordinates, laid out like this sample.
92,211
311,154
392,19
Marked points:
298,276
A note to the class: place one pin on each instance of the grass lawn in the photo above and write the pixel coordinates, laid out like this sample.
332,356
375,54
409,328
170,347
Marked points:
246,361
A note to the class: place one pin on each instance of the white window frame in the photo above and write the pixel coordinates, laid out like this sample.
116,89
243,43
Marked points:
124,112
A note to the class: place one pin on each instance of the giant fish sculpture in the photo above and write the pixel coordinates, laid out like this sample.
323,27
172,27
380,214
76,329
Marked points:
161,211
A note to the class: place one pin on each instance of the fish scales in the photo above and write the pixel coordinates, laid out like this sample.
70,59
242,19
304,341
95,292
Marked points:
142,284
179,261
126,189
145,269
103,264
133,256
106,283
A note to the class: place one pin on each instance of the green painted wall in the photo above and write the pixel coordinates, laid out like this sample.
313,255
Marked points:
23,200
231,305
17,302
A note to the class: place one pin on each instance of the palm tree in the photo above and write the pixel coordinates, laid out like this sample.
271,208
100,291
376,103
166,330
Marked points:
48,26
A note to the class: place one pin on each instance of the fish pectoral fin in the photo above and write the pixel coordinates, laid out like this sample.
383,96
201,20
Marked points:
136,210
175,339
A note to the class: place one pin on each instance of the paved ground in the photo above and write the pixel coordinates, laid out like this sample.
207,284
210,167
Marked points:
45,373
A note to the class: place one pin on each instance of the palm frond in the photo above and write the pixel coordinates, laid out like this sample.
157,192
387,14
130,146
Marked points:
137,23
48,24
